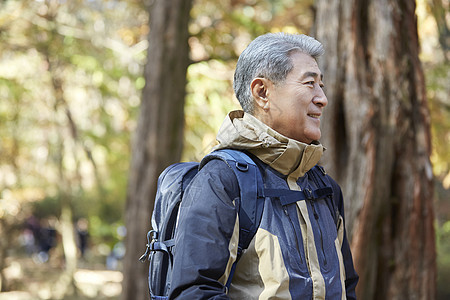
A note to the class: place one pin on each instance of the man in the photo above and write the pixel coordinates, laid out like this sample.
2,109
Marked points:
295,254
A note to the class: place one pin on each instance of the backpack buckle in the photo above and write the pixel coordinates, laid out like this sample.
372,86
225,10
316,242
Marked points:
152,236
152,239
308,194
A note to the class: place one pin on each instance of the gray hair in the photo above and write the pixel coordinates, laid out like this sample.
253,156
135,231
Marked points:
268,56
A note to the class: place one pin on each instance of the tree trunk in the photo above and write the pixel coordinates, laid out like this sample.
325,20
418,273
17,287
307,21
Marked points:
159,135
376,129
66,228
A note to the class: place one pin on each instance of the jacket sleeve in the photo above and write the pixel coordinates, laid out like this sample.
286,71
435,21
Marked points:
205,227
351,277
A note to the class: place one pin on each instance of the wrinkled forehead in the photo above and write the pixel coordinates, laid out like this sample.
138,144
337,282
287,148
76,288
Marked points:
304,64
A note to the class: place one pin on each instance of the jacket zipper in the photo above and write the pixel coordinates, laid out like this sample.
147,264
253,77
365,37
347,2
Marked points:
316,216
295,235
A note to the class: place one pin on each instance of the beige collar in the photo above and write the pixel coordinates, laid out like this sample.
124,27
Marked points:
289,157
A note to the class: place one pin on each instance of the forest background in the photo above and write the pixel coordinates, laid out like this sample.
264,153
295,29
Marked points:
71,82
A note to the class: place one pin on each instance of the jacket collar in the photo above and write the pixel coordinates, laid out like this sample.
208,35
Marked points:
289,157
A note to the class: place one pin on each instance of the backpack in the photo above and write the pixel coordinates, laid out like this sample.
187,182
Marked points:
174,180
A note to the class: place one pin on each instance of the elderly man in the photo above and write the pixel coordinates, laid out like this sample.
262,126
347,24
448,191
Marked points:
298,251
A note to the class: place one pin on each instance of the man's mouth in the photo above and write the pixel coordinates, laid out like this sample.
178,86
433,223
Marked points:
315,116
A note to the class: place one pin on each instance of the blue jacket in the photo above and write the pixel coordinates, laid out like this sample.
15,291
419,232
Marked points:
298,252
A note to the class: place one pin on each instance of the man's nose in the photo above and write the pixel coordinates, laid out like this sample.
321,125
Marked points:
320,98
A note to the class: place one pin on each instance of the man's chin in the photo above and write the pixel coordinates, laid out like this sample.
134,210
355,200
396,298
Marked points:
314,137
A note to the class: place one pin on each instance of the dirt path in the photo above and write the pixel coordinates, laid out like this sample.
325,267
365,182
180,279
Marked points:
27,280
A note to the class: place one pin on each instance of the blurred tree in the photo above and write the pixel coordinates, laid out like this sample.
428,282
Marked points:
45,44
378,134
159,134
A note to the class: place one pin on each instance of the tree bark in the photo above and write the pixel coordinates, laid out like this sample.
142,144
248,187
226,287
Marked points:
377,131
159,135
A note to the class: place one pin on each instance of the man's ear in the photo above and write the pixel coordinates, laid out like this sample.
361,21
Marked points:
259,89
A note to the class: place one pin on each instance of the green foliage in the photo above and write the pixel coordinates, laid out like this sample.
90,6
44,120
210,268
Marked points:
443,259
71,75
438,91
209,98
46,208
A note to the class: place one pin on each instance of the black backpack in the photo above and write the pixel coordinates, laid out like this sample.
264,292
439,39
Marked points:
172,183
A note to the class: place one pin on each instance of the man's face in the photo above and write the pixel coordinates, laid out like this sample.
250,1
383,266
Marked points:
297,103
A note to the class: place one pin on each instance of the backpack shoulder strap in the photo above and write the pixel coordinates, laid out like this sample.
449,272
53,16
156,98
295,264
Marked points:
251,203
251,197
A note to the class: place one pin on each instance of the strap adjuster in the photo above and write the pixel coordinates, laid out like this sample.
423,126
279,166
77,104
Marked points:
308,194
241,166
